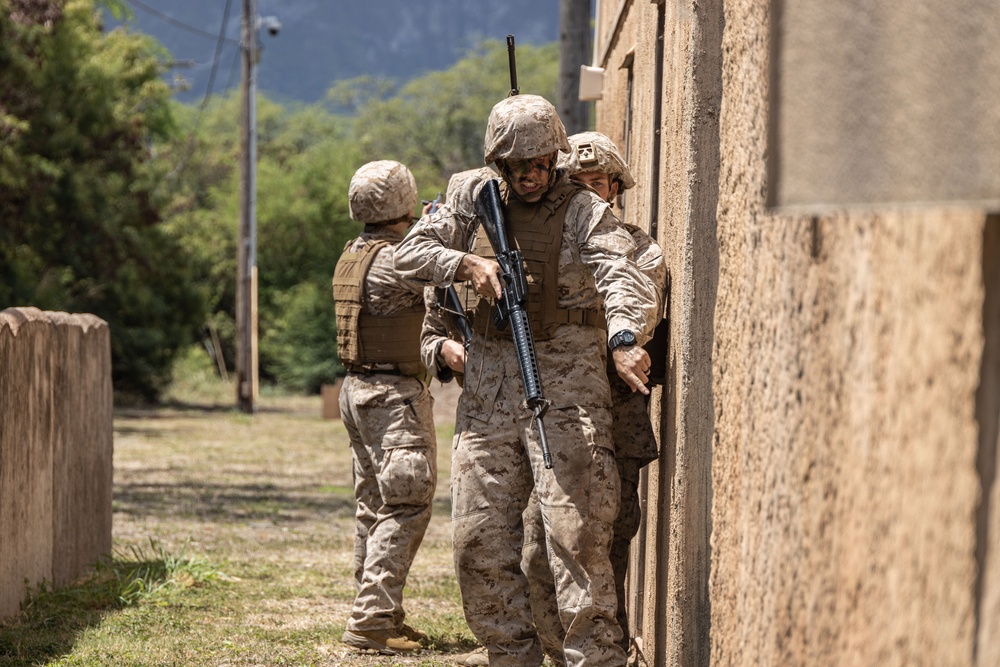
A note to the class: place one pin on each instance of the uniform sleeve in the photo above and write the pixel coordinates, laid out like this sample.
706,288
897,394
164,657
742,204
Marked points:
432,251
648,256
433,333
606,247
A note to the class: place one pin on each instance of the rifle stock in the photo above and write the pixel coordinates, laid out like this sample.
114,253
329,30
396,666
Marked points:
510,307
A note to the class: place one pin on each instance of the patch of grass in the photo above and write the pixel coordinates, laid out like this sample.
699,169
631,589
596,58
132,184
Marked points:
233,545
50,619
137,575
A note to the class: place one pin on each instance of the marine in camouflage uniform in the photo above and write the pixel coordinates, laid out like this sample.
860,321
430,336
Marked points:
596,161
386,406
589,287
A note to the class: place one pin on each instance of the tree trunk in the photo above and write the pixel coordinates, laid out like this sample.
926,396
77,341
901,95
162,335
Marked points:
574,51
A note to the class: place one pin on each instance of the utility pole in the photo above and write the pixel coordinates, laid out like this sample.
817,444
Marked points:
247,380
246,280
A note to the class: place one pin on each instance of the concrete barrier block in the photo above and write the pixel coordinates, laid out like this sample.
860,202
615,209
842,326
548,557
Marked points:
25,455
56,421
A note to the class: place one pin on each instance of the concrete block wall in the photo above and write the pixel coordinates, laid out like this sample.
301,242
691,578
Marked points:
855,384
826,492
55,449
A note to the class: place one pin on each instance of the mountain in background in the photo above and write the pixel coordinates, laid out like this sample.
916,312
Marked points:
323,41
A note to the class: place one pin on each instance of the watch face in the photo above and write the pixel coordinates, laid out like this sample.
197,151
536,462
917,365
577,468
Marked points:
622,338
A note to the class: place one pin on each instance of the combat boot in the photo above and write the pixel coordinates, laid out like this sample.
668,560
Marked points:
383,641
413,634
478,658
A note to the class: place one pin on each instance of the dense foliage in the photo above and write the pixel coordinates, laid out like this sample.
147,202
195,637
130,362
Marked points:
81,228
117,201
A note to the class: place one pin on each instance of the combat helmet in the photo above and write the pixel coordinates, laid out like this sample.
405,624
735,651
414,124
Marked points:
593,151
381,191
522,127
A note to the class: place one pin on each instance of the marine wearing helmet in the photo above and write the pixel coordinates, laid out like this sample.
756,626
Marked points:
594,160
382,191
524,135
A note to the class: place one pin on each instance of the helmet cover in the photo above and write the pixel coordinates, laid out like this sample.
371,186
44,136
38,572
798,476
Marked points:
522,127
593,151
382,191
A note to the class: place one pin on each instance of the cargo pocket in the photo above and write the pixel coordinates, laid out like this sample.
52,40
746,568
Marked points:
408,476
411,417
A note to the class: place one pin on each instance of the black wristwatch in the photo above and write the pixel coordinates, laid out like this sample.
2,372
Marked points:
623,337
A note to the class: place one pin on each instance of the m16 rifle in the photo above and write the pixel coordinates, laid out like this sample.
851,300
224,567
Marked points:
510,307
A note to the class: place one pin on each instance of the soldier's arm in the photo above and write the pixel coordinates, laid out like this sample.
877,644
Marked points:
440,353
434,248
648,256
630,299
606,247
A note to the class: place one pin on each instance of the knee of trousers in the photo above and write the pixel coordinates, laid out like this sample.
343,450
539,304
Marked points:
408,476
484,540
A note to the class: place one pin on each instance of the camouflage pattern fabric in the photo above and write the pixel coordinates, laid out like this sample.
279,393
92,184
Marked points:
541,586
386,291
595,265
390,423
497,459
648,257
593,151
381,191
463,187
434,331
496,463
626,526
523,127
632,432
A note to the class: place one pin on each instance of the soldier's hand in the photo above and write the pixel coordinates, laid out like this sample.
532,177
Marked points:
453,353
632,364
484,274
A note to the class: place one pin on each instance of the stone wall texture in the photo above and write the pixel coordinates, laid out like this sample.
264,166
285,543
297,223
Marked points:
825,493
55,449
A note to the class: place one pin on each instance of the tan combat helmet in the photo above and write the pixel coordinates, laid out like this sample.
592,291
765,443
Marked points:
593,151
461,193
523,127
382,191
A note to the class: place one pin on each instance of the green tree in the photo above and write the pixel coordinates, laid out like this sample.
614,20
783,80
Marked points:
305,162
81,226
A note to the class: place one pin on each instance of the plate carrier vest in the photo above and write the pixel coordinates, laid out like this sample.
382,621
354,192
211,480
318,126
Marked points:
536,230
364,339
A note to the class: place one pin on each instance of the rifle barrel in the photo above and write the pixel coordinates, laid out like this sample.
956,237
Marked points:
512,64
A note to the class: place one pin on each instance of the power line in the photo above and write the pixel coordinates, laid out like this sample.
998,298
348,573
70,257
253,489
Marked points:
220,42
171,20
